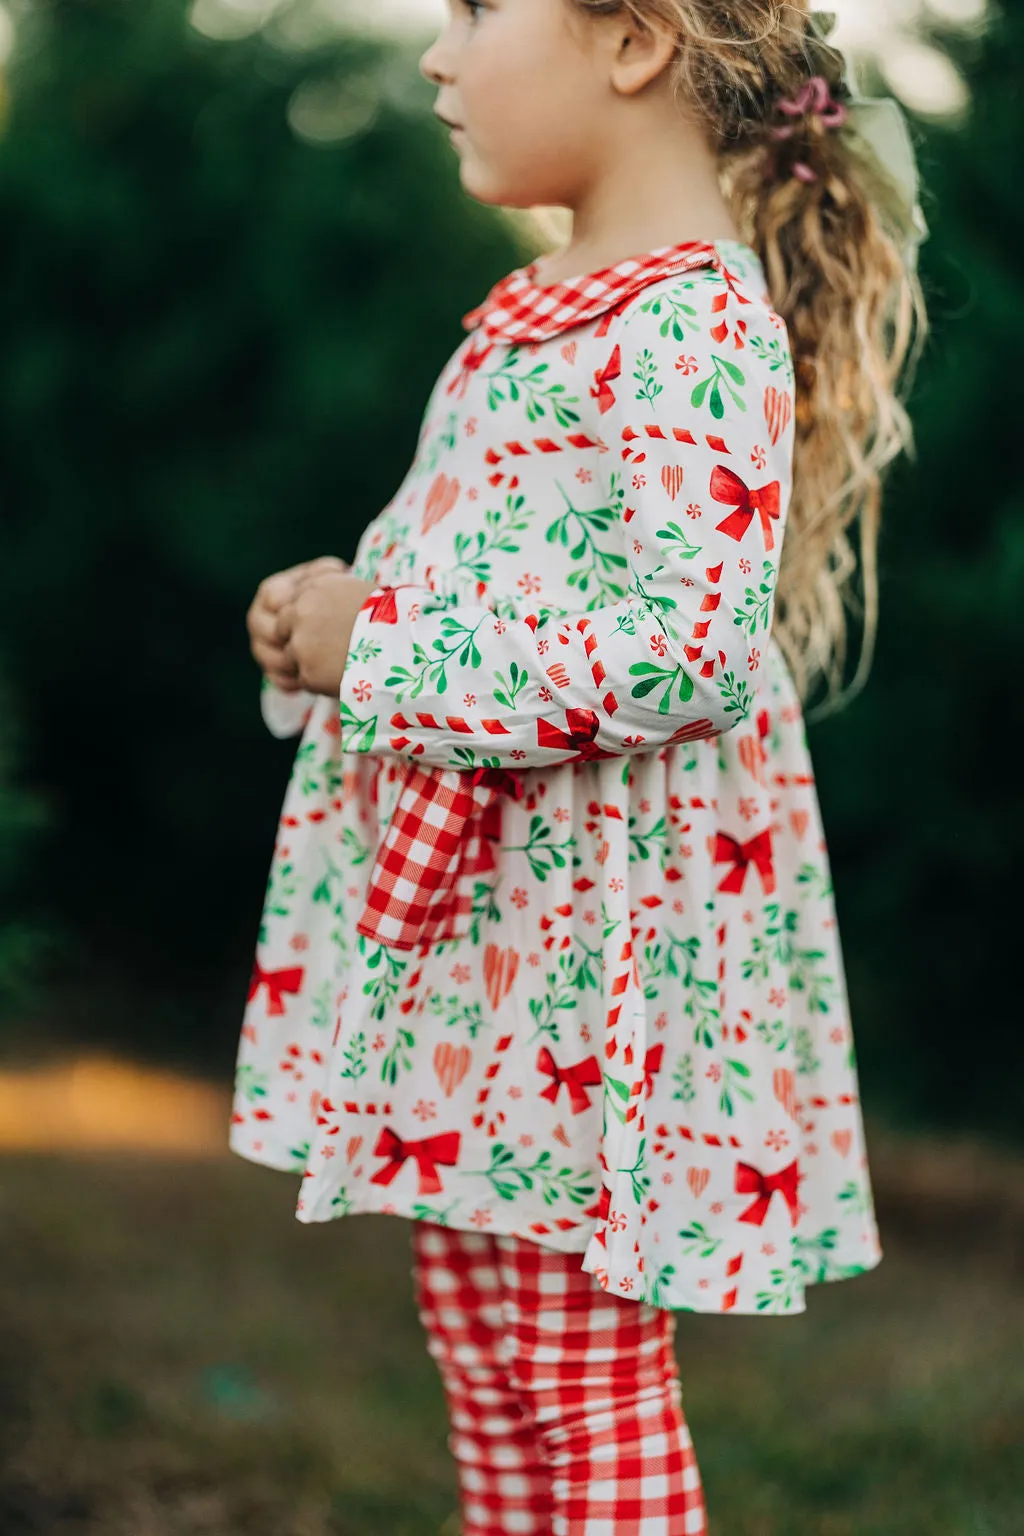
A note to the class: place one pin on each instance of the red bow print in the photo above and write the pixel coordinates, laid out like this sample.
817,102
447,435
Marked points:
472,360
757,851
428,1153
604,394
276,983
577,1079
751,1181
382,606
728,487
582,728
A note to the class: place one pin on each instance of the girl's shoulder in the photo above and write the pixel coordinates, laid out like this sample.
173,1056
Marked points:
519,310
733,278
722,308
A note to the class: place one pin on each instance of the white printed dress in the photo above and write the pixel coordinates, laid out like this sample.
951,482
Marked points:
640,1049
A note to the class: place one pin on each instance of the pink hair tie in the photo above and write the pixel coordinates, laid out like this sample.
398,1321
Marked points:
815,100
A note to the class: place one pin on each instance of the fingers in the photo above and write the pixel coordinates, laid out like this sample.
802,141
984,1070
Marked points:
270,635
268,630
276,660
297,574
285,683
273,591
270,619
323,563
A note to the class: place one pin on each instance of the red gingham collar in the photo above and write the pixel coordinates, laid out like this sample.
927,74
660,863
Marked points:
519,309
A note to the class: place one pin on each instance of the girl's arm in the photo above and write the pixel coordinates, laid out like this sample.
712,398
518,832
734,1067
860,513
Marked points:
704,495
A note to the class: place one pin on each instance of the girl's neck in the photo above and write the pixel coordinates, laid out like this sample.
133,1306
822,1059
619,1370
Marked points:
658,186
572,260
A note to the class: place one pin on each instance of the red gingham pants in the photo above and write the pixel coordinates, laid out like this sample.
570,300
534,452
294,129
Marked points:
565,1402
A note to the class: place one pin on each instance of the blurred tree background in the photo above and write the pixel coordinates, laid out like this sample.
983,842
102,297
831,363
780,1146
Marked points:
214,255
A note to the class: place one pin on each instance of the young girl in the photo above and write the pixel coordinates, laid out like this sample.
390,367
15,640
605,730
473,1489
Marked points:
549,960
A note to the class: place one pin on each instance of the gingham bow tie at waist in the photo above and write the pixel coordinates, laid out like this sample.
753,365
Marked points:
441,837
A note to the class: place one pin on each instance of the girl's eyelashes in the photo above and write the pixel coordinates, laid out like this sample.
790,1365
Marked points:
474,7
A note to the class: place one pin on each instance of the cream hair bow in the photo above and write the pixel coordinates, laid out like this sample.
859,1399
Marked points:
880,122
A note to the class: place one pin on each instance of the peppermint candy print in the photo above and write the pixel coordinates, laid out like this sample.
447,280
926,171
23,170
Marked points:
640,1049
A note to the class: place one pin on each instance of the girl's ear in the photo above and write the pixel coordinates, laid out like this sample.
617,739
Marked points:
641,52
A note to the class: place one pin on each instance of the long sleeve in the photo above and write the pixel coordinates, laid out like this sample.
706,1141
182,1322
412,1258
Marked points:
698,488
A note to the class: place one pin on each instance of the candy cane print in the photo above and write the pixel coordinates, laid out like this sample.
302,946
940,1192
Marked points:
731,1268
620,982
430,722
537,445
497,1119
720,332
631,455
709,605
707,1137
560,677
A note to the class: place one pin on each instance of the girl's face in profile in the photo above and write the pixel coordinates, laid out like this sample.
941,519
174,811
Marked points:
524,81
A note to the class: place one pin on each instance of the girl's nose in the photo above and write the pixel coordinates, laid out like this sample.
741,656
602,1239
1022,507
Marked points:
430,65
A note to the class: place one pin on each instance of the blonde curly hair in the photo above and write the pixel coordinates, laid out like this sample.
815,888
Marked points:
833,250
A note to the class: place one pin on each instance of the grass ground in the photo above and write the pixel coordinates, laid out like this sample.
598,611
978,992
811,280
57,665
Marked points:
180,1357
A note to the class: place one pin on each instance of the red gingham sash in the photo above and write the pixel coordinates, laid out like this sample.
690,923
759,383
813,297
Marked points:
439,840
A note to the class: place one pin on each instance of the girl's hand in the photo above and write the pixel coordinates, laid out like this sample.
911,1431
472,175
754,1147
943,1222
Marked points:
263,616
314,627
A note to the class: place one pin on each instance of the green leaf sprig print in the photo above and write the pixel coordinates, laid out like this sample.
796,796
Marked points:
725,375
507,689
457,1014
777,357
473,551
735,1074
674,315
398,1058
358,731
738,694
652,842
679,544
458,641
676,682
354,1056
639,1178
283,884
577,527
508,1175
543,855
558,999
535,390
382,988
756,609
645,373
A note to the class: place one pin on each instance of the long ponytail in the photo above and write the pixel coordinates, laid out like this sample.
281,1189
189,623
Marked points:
826,222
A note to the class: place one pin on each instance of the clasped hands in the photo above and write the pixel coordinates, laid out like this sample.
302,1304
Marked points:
300,624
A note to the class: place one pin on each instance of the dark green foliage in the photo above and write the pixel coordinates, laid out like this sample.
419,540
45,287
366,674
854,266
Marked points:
218,346
921,777
24,938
